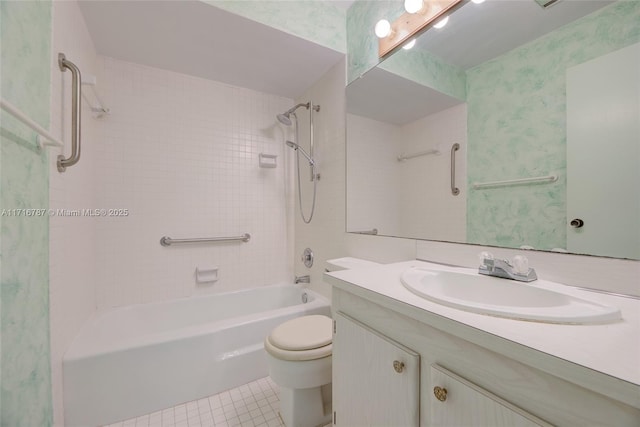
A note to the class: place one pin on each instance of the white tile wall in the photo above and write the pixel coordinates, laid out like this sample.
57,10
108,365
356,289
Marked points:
325,235
180,154
373,180
71,239
427,207
410,198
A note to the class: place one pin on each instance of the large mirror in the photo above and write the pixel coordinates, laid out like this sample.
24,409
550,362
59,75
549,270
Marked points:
542,105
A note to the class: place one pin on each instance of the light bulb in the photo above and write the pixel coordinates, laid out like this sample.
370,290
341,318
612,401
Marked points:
383,28
409,45
441,23
413,6
478,1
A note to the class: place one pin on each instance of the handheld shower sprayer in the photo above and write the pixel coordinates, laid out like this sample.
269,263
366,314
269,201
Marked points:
285,119
304,153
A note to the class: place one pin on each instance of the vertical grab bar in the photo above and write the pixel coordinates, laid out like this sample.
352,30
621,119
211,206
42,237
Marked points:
454,190
64,64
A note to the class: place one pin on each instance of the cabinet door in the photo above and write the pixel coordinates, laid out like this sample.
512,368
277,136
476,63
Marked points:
457,402
376,381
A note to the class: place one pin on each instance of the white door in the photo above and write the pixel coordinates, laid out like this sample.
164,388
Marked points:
457,402
603,155
375,380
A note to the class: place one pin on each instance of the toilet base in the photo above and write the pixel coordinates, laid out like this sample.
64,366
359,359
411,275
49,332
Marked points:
307,407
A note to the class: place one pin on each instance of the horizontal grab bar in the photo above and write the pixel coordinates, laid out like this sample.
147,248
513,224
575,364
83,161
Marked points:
547,178
98,109
50,139
403,157
168,241
373,232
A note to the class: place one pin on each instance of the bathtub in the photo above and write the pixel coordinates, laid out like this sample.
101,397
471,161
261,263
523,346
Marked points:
139,359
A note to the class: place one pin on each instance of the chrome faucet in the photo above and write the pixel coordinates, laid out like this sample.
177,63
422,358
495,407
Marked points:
302,279
518,269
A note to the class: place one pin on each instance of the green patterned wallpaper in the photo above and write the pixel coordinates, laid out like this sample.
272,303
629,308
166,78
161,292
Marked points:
362,43
318,21
25,393
428,70
517,128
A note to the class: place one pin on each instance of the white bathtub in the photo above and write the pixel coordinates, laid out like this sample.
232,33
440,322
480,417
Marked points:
139,359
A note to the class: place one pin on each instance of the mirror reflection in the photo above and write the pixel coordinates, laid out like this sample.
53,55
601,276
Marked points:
544,104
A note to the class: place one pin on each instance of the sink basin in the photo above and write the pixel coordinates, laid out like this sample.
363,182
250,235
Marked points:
504,298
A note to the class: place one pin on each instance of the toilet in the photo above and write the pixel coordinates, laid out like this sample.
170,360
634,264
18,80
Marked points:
299,360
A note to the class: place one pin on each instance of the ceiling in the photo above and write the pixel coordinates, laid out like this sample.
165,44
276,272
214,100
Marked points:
198,39
404,100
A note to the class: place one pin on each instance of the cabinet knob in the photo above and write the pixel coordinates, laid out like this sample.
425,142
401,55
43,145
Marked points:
440,393
398,366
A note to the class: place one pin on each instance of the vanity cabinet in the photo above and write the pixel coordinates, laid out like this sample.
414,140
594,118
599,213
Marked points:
457,402
490,381
375,379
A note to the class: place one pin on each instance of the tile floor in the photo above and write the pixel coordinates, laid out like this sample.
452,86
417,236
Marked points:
252,405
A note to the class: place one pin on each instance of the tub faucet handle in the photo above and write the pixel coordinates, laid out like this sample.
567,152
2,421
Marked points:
302,279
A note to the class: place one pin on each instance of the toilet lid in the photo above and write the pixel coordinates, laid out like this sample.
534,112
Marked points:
303,333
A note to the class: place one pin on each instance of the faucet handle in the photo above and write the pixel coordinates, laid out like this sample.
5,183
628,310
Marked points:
485,256
520,264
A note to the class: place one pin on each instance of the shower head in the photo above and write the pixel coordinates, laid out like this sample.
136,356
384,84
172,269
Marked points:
304,153
284,118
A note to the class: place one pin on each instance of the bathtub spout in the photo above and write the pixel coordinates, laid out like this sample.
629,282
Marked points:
302,279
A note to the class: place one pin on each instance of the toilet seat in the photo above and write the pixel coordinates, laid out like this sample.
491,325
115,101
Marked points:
301,338
313,354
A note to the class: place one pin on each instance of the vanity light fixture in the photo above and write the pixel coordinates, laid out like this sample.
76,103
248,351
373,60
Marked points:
441,23
409,45
383,28
413,6
420,15
478,1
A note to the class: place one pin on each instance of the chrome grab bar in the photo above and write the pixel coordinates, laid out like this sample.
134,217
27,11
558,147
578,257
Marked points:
373,231
76,105
519,181
168,241
403,157
454,190
48,138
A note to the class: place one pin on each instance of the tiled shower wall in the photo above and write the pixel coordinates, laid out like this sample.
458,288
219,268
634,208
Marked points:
325,235
372,180
179,158
413,197
427,209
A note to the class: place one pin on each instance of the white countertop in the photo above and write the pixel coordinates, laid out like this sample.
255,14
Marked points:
610,351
